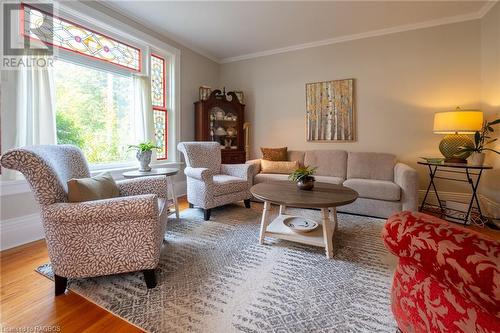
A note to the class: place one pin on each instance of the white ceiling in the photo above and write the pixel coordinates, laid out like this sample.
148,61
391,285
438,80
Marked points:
228,31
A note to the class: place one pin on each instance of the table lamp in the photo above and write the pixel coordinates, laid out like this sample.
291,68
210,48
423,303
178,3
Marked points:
457,125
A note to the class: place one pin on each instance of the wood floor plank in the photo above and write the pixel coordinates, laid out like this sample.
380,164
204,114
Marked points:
27,298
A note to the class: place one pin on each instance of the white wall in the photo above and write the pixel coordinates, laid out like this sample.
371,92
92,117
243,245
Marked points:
400,81
490,94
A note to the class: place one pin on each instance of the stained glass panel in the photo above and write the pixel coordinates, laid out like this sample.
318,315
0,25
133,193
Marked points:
69,36
160,119
158,81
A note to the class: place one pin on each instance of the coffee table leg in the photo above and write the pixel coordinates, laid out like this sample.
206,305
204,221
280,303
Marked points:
282,209
333,217
170,185
264,222
327,232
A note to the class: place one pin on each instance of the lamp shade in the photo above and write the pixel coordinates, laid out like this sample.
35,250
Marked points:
459,122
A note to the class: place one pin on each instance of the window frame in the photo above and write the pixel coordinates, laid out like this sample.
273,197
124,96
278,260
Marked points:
95,19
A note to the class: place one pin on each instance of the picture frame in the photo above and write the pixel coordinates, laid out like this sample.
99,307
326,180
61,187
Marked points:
330,111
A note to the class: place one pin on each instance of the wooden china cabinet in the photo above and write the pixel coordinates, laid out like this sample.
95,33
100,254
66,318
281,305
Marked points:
220,118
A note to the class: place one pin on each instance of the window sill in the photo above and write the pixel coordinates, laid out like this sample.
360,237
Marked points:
19,186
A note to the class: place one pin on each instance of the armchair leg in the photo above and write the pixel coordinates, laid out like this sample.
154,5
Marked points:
61,284
150,278
207,214
191,205
247,203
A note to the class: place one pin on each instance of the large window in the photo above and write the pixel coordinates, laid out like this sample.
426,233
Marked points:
94,111
94,88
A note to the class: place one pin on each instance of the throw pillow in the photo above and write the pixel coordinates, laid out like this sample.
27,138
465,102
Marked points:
99,187
274,154
282,167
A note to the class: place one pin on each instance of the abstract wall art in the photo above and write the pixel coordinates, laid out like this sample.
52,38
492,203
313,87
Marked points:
330,114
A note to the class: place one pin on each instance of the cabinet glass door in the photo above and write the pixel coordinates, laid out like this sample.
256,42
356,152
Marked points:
223,127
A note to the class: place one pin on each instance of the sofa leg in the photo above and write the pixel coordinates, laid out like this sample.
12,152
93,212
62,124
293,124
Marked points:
150,278
191,205
247,203
61,284
207,214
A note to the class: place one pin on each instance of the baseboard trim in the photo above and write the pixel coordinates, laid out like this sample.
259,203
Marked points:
21,230
28,228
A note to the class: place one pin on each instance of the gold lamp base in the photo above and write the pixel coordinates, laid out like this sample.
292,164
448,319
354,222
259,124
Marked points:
450,145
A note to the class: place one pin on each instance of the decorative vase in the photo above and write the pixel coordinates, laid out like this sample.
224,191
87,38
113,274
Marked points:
144,158
476,158
306,183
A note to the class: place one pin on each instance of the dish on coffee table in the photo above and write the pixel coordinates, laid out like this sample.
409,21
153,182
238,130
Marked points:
300,224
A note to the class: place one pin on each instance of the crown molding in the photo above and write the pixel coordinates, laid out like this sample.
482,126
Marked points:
486,8
374,33
162,33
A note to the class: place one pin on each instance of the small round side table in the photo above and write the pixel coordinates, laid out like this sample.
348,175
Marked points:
169,173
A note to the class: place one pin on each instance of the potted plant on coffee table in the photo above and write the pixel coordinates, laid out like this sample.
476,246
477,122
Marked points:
303,177
143,154
481,139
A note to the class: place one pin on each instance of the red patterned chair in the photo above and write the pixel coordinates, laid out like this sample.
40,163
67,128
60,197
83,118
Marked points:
448,276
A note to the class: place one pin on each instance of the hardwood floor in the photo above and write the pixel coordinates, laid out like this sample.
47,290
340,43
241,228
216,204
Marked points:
27,298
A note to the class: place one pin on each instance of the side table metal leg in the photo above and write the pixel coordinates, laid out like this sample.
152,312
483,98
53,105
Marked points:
264,222
170,185
327,232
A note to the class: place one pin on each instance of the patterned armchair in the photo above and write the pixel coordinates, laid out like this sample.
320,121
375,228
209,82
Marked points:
92,238
447,279
210,183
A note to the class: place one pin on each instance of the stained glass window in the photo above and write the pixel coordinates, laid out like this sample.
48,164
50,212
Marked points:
70,36
161,133
159,101
158,81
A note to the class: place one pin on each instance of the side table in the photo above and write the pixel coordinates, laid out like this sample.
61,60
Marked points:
470,172
169,173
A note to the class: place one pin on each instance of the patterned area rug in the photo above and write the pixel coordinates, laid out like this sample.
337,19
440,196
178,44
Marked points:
215,277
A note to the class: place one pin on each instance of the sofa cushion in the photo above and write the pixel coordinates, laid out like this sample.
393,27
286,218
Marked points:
375,189
283,167
269,177
224,184
371,166
329,180
296,155
329,162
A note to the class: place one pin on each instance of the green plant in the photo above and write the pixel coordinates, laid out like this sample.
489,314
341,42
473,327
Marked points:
143,147
481,139
304,173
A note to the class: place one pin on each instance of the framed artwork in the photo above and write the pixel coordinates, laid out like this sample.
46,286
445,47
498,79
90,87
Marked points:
330,114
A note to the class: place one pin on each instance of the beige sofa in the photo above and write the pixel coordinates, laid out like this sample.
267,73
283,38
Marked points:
384,186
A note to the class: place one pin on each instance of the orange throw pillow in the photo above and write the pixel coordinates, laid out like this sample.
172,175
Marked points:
274,154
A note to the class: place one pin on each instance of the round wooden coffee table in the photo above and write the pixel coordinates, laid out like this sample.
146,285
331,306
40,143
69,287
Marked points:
323,196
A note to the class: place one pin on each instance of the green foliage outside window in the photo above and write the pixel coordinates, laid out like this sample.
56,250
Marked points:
94,111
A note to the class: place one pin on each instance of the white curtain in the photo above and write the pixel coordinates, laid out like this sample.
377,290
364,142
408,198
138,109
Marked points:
36,115
143,109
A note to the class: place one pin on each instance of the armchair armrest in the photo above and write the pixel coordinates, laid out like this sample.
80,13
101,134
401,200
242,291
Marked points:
143,185
407,178
454,255
256,164
103,237
103,211
202,174
244,171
